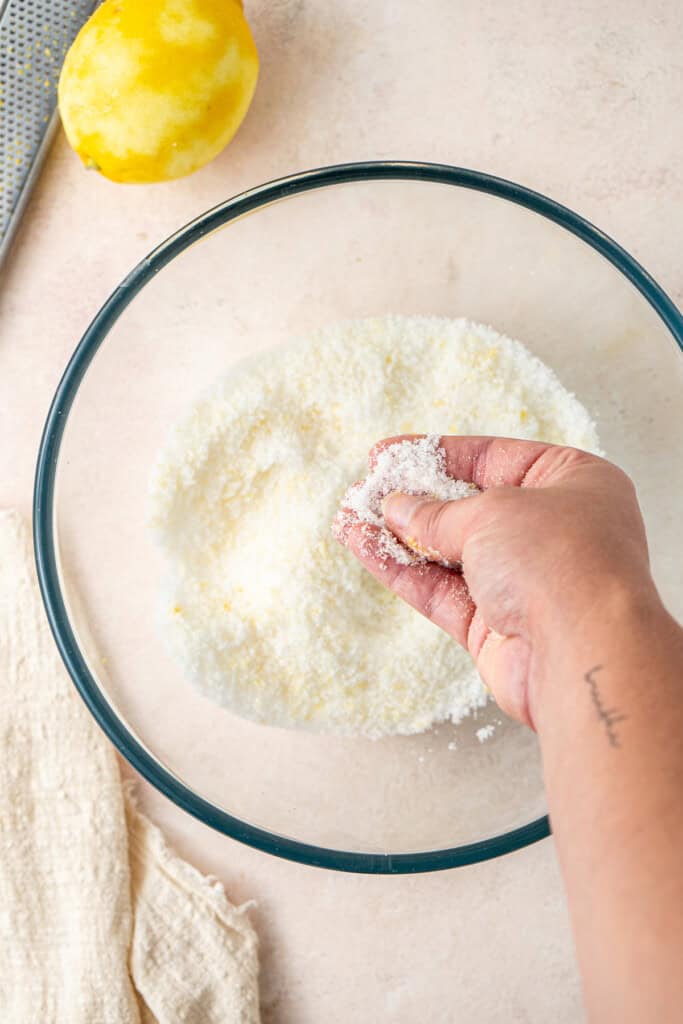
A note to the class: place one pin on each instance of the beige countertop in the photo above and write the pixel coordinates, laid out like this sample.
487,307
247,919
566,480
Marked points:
581,102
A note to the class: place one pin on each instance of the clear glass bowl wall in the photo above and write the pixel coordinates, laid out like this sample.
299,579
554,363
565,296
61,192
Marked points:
338,250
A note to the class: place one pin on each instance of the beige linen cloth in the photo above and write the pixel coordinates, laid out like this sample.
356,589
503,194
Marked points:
99,920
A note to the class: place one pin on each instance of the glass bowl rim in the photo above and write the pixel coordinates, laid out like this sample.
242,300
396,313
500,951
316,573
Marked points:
44,511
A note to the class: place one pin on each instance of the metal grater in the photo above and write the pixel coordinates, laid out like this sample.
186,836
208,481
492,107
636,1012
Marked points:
34,39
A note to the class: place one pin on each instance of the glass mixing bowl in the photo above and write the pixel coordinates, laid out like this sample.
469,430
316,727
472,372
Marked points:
259,269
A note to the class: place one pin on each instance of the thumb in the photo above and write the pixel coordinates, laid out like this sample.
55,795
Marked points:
435,529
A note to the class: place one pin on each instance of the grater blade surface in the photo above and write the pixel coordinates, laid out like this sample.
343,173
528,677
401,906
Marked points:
34,38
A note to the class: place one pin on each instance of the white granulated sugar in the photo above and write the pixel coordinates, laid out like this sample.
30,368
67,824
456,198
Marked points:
264,611
412,466
485,733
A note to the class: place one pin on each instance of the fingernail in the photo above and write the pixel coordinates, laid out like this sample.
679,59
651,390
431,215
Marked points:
398,509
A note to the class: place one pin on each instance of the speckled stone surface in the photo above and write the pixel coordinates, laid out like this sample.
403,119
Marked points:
578,101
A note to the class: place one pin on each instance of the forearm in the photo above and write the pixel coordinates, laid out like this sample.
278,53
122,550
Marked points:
608,705
557,607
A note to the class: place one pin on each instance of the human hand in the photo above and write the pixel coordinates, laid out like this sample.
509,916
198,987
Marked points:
554,536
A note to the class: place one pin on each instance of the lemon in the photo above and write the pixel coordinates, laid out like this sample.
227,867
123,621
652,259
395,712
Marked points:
153,89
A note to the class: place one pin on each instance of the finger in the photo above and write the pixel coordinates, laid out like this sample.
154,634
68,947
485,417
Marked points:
484,461
344,519
491,461
436,529
439,594
503,664
387,443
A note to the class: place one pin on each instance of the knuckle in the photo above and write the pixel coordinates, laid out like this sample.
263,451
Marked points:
624,480
555,463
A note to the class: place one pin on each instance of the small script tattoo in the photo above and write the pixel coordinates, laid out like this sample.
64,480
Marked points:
610,717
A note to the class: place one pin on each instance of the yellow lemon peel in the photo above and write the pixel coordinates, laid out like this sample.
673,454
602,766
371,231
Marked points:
154,90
